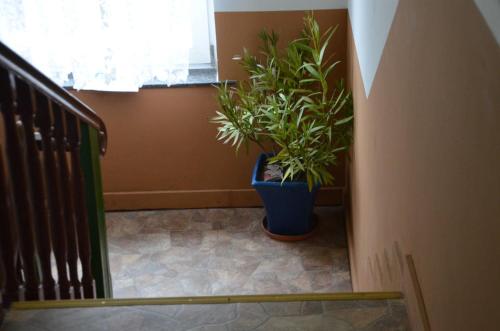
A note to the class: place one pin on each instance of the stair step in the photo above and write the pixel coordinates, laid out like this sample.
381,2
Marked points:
338,311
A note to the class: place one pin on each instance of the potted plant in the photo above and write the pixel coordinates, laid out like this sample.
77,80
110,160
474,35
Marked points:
289,109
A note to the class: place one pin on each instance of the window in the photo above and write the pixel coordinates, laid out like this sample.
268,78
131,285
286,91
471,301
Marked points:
113,45
202,55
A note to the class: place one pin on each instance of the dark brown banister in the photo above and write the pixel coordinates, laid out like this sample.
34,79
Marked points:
51,200
23,69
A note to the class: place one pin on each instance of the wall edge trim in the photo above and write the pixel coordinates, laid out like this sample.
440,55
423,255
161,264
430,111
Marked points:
211,198
418,292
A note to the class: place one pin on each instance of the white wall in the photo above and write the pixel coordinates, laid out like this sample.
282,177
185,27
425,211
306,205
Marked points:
370,22
491,13
276,5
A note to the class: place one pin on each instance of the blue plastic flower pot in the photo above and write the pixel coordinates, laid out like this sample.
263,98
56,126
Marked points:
289,205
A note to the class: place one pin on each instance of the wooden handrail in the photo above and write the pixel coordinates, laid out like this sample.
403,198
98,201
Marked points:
24,70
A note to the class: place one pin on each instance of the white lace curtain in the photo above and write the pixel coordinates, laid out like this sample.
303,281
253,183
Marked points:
109,45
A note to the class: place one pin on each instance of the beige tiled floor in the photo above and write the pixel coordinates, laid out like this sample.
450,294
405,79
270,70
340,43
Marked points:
377,315
222,251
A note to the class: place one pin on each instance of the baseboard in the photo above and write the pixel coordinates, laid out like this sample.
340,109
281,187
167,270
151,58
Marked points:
178,199
350,246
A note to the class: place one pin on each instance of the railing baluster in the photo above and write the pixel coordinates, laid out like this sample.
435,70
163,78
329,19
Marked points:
80,206
56,210
67,193
41,217
46,204
21,183
8,240
3,282
95,209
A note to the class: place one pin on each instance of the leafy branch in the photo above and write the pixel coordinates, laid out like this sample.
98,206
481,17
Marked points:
287,102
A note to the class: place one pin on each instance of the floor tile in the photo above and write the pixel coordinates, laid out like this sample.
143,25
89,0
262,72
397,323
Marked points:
310,315
222,252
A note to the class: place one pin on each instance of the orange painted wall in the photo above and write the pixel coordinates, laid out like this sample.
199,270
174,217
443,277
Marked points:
162,149
238,30
425,174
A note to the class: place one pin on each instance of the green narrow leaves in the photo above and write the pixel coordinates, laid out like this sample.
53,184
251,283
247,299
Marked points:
287,103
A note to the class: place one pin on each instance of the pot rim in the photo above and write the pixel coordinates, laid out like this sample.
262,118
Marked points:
262,183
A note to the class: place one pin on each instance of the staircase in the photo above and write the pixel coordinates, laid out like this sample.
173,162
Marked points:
51,212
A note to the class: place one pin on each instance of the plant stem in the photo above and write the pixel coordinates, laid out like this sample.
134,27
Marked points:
259,144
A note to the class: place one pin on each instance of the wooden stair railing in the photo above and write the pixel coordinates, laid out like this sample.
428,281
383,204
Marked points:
52,231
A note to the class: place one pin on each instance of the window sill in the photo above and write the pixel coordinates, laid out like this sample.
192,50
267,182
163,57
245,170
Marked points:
196,78
189,84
